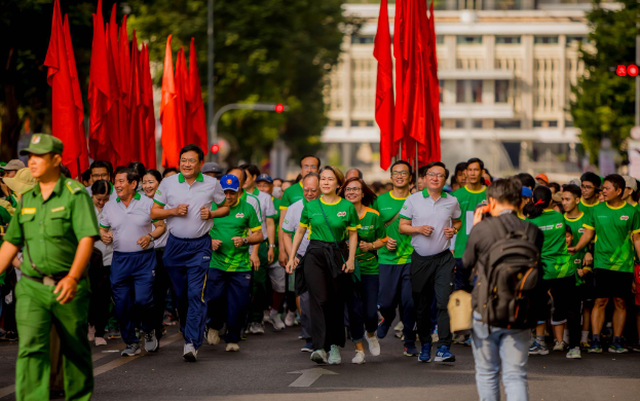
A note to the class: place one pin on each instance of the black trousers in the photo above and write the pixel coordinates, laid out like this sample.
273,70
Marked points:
326,300
432,276
161,285
100,293
567,306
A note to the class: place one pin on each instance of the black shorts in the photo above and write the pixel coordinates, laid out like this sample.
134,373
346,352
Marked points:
563,293
586,290
613,284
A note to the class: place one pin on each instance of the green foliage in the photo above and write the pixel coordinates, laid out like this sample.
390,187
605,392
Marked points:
604,105
265,51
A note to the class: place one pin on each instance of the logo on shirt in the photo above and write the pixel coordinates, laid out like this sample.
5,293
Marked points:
158,192
582,230
577,262
559,225
624,217
404,207
239,215
286,221
342,214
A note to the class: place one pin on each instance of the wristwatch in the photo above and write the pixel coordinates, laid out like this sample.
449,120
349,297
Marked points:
151,236
245,240
455,230
273,246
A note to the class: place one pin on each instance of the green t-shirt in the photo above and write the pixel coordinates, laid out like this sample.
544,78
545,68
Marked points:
371,229
468,201
5,218
241,218
614,226
577,230
554,256
388,207
583,207
291,195
342,216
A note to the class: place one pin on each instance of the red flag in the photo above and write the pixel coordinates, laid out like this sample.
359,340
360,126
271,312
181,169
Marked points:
435,89
198,122
101,95
149,147
398,45
384,86
182,98
169,113
64,116
136,121
83,161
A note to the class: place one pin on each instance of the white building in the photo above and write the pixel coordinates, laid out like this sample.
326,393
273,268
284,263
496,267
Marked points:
506,69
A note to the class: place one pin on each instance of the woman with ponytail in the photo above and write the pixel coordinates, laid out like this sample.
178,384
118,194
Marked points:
559,276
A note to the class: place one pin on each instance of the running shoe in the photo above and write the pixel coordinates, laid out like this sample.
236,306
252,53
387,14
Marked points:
100,341
255,328
319,356
574,353
538,349
617,348
467,342
585,344
374,344
595,347
559,346
425,353
399,326
459,339
334,355
190,353
265,316
290,319
276,320
636,348
213,336
308,347
444,355
383,329
113,333
232,347
91,334
410,350
131,350
358,359
151,343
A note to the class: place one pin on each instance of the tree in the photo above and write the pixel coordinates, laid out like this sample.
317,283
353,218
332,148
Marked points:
604,105
265,51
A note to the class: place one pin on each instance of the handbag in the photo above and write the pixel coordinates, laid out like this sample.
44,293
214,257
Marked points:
356,271
460,311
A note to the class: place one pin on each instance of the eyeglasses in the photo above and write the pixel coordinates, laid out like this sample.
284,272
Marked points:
191,161
310,190
587,187
104,176
438,176
400,174
352,189
309,166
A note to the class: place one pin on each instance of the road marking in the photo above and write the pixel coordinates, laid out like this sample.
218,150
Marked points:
309,376
5,391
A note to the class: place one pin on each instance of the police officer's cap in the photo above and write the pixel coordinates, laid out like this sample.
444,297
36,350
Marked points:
41,144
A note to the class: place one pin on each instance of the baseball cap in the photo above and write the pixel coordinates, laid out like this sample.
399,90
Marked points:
41,144
527,192
630,182
265,178
14,165
542,177
575,182
230,182
211,167
22,181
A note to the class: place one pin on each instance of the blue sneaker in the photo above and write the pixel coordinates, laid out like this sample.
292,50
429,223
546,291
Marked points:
383,329
308,347
425,353
595,347
410,350
444,355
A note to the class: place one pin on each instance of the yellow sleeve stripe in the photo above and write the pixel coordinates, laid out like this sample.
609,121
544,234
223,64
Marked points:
284,207
354,228
303,225
636,231
256,228
589,227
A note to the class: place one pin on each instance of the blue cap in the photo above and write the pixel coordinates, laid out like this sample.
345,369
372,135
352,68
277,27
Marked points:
526,192
265,178
230,182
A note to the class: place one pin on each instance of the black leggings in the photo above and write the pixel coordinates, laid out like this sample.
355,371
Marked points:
566,305
100,293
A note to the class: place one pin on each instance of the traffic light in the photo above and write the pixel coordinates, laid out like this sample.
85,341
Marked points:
279,108
215,148
624,70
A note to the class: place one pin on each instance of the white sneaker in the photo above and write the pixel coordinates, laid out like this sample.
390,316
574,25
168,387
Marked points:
265,316
91,334
276,320
290,319
559,346
374,344
255,328
359,358
213,336
190,353
334,355
232,347
100,341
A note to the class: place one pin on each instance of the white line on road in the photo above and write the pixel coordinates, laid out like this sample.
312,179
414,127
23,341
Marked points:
309,376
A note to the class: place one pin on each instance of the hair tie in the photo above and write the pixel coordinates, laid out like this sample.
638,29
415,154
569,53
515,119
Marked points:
539,202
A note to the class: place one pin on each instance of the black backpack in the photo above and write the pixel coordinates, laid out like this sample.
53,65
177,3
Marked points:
509,290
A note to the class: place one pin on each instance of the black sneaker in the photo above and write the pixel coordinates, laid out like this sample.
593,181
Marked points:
151,343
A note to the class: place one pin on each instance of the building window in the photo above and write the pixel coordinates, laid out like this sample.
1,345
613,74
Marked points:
459,124
507,124
362,123
545,124
469,91
477,124
469,40
568,123
335,123
440,39
460,92
508,40
501,91
546,40
577,40
441,90
362,40
476,91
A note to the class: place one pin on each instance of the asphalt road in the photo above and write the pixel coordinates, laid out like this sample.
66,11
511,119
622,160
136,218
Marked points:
262,371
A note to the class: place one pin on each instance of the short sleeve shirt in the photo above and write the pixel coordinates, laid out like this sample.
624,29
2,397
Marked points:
577,230
204,191
107,250
52,228
388,206
128,223
341,216
370,230
555,258
422,210
468,201
242,218
292,221
614,227
267,209
291,195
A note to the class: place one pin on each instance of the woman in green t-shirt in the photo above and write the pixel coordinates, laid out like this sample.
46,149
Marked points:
327,264
363,308
559,276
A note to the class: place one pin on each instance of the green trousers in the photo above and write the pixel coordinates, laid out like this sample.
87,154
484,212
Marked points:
36,310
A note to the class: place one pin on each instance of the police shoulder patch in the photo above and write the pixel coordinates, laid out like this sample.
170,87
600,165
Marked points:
73,186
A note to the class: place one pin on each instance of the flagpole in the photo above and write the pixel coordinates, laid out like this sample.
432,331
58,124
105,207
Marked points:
417,159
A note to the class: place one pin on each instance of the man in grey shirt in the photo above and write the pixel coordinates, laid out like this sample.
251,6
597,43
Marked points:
432,218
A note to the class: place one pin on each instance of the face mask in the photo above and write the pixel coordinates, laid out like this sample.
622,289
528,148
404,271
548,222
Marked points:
277,192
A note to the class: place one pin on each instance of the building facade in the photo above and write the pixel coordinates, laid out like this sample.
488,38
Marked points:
505,68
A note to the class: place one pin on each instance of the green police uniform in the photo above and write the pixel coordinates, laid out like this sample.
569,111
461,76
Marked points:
51,230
